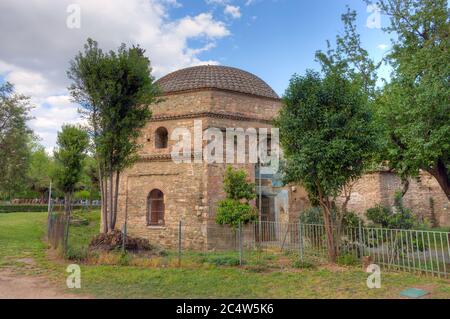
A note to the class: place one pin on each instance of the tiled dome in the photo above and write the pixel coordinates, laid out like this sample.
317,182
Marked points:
215,77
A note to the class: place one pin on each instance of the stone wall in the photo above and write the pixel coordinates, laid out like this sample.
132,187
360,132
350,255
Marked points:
380,187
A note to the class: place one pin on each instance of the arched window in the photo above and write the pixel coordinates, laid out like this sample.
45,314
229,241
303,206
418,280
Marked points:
161,137
155,208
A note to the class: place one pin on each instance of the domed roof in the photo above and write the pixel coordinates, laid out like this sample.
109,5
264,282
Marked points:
215,77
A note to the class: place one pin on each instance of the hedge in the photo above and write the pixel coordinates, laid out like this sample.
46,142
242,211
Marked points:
32,208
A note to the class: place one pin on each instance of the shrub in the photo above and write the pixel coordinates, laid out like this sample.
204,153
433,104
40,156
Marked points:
299,264
29,208
232,212
235,208
222,260
347,260
76,253
313,215
397,218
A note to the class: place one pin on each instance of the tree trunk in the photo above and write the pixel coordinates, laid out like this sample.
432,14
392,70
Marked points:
111,200
440,173
104,202
116,198
328,224
66,204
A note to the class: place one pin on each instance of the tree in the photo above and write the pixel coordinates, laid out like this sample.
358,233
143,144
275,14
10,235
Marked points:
327,136
114,90
39,171
14,139
326,126
235,209
414,107
72,143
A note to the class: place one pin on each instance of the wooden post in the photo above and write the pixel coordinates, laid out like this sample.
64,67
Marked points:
49,210
240,244
179,244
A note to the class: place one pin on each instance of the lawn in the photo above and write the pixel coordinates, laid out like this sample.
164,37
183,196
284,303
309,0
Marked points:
21,237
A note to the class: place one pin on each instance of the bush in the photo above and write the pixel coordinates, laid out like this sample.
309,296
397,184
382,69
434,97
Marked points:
314,215
303,264
76,253
222,260
397,218
347,260
29,208
232,212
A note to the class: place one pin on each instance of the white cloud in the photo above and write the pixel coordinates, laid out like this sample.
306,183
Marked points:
38,46
233,11
217,2
382,46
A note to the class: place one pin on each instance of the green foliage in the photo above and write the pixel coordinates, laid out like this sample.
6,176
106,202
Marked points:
72,143
314,215
413,108
379,215
76,253
40,170
83,194
124,259
235,209
397,218
232,212
299,264
348,260
326,133
114,91
28,208
15,137
221,260
236,185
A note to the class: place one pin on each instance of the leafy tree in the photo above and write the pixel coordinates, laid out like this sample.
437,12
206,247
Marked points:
235,209
414,107
327,137
72,143
39,171
114,90
14,139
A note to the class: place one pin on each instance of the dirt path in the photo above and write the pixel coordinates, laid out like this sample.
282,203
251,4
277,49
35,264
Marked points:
15,286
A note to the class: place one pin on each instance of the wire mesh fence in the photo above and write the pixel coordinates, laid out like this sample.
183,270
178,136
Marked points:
419,251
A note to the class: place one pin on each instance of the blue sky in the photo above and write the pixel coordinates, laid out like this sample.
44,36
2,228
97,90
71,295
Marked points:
271,38
276,38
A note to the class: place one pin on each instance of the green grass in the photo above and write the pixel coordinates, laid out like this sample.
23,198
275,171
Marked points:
21,236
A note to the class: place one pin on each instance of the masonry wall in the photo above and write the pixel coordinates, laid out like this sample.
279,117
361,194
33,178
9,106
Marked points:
380,187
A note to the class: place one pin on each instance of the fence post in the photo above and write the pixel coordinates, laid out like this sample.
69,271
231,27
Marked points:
300,240
179,243
49,208
361,241
240,244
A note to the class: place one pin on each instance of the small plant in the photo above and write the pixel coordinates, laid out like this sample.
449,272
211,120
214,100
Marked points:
124,259
397,218
76,253
235,209
222,260
347,260
303,264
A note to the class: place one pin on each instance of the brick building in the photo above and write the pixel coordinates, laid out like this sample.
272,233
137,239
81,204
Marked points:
156,193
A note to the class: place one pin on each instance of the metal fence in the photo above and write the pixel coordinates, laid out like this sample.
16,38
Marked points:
419,251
